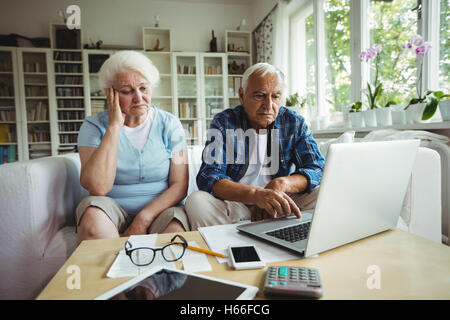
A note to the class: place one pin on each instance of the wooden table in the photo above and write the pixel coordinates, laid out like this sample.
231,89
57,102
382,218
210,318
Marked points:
391,265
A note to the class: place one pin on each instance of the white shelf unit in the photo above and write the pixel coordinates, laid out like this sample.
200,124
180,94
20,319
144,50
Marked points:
214,84
162,94
70,98
187,100
94,97
10,112
37,102
238,46
153,38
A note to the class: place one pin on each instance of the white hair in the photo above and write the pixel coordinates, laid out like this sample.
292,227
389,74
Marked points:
125,60
263,68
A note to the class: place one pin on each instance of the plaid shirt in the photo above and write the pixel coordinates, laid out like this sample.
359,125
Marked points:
298,152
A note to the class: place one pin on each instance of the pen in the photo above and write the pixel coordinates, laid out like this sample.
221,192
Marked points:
206,251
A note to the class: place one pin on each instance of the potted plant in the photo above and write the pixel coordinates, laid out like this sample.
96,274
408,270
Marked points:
444,104
299,104
373,93
356,115
384,115
419,109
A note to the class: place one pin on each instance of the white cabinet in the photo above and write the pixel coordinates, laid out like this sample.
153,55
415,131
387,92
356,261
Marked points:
200,91
10,116
238,46
70,98
94,98
37,103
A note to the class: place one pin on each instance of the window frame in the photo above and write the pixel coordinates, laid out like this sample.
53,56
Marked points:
428,27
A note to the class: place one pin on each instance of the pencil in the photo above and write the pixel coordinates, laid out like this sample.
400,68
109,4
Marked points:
206,251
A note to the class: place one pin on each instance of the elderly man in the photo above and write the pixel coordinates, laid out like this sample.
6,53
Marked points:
260,160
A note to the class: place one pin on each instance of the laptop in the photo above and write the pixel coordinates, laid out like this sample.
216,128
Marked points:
361,194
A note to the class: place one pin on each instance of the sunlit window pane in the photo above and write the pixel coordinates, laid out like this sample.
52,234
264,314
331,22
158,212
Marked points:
444,54
392,24
338,69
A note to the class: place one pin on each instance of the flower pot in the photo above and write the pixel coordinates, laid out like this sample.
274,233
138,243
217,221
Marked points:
414,113
398,114
370,118
384,117
357,119
444,107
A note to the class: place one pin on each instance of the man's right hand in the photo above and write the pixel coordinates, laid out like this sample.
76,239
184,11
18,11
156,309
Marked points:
276,203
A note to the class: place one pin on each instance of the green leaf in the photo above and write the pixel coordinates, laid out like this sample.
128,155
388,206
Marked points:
430,109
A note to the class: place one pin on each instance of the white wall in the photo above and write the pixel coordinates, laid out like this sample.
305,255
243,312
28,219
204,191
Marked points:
119,22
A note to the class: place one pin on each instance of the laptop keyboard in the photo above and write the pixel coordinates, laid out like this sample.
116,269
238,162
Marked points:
292,234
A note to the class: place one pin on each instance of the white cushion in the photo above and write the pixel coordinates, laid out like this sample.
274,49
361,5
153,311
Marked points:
346,137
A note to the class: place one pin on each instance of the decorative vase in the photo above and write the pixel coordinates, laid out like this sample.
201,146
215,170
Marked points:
384,117
370,117
444,107
357,119
414,113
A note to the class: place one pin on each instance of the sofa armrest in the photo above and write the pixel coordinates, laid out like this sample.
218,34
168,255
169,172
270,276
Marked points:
38,198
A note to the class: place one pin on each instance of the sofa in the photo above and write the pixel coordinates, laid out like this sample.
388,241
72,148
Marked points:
38,198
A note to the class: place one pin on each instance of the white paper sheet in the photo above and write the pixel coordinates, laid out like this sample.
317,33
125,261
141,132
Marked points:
220,237
123,267
193,261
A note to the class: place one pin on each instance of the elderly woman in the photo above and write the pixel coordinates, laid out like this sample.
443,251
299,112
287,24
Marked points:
133,157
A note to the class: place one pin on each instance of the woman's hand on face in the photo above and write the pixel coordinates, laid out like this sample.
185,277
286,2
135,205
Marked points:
115,114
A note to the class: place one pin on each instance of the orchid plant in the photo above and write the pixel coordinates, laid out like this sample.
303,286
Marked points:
416,45
373,93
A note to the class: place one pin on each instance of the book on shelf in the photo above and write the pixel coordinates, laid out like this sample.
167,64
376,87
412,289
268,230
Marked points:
187,110
7,113
67,149
4,133
37,112
8,154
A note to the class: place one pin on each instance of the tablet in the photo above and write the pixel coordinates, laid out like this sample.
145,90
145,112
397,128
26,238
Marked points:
171,284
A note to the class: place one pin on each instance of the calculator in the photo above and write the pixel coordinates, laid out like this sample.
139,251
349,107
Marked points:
293,281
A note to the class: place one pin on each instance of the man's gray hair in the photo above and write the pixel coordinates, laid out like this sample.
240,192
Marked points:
263,68
124,61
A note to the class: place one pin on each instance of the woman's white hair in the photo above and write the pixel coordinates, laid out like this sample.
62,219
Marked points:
263,68
123,61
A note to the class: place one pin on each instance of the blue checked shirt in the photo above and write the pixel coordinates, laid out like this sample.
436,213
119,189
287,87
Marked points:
298,151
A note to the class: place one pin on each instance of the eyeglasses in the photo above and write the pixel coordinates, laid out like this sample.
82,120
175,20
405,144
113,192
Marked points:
143,256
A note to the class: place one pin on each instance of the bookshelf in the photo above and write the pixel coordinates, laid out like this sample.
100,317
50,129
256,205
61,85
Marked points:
162,95
214,85
70,105
185,67
36,87
10,128
238,47
94,99
45,94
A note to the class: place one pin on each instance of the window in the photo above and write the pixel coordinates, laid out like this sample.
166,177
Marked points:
303,56
444,48
392,24
322,63
338,67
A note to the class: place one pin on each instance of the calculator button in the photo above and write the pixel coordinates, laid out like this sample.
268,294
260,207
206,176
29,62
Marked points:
282,271
273,283
283,283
